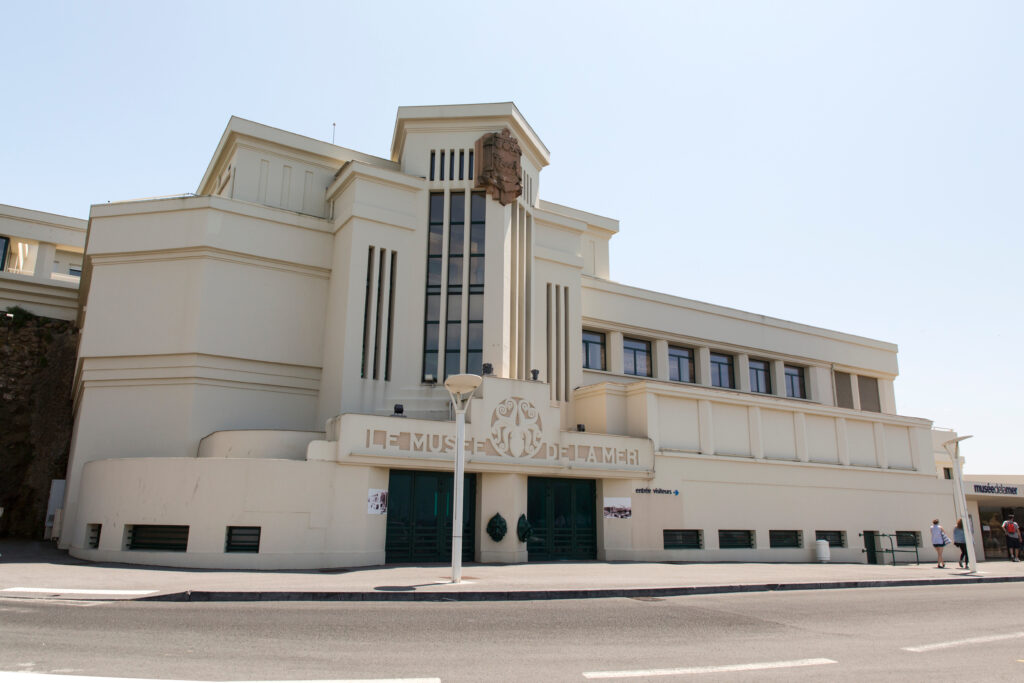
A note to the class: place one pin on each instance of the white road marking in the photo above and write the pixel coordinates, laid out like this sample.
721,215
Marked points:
75,591
727,668
965,641
32,677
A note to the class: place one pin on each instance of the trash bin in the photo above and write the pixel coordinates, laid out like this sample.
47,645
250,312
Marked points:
822,552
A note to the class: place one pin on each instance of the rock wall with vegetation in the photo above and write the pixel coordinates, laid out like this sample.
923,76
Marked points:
37,365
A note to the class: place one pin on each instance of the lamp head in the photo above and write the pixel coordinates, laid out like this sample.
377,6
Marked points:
461,388
462,384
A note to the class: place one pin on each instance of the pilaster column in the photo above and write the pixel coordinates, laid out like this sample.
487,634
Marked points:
705,427
743,371
45,254
660,359
703,366
778,378
613,352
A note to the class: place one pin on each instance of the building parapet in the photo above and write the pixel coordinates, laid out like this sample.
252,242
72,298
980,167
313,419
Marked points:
699,420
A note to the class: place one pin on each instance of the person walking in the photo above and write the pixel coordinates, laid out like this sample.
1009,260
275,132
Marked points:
1012,531
939,541
960,541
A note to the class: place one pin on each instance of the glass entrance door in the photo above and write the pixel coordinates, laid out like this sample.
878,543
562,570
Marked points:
419,527
563,513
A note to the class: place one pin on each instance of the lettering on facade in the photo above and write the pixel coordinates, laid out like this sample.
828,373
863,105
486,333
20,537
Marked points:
656,491
995,488
515,432
500,171
425,442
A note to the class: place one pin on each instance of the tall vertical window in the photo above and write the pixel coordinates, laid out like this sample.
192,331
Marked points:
455,283
636,357
844,389
435,261
456,275
867,388
721,371
475,316
760,376
680,364
593,350
795,385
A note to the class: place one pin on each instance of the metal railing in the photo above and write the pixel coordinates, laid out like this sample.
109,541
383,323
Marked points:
893,548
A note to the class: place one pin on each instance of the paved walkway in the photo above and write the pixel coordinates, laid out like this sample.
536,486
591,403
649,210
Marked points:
38,570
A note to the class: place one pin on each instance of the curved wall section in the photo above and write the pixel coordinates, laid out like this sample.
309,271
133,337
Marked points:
310,514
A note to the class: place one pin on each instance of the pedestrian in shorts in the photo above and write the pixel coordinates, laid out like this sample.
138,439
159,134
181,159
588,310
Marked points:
1012,531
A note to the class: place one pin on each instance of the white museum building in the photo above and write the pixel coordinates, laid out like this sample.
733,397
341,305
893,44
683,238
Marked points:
260,381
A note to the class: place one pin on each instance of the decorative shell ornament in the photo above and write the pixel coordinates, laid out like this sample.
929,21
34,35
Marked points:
524,529
497,527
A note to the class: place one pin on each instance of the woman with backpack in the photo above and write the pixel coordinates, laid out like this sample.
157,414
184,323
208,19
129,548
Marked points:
1012,531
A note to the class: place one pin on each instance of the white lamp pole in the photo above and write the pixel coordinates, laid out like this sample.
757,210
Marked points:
953,448
460,388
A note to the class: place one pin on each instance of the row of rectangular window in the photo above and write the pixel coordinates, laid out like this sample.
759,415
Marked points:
448,171
693,539
636,360
174,537
867,391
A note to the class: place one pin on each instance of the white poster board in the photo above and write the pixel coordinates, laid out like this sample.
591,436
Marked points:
618,508
377,502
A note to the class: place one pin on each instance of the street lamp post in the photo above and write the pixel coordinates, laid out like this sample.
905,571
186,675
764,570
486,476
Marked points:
960,501
460,388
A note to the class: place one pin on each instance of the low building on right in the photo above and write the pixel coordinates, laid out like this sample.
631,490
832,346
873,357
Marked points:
991,499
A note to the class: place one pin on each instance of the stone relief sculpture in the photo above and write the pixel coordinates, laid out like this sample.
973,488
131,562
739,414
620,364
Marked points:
500,172
516,428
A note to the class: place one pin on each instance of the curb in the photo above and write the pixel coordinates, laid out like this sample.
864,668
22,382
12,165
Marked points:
575,594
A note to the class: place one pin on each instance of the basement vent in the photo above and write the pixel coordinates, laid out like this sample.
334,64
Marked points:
785,539
157,537
682,539
92,535
836,539
735,538
908,539
242,539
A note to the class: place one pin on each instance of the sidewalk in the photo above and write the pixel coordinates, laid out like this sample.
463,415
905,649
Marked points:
31,569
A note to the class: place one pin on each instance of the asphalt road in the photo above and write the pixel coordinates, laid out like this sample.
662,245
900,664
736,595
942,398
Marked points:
962,633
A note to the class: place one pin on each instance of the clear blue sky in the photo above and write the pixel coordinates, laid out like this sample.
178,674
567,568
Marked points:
852,165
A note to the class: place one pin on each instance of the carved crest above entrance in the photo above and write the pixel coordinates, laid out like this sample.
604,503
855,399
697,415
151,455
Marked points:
516,429
500,171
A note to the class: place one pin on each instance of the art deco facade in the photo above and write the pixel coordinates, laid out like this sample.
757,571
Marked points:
244,349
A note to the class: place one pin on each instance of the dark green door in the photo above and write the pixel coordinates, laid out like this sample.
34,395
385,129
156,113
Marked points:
420,517
871,547
563,513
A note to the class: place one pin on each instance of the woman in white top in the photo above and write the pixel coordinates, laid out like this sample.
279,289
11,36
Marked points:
939,540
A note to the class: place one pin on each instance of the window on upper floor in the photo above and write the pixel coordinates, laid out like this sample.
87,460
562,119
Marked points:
455,284
680,364
636,357
796,386
593,350
844,389
760,376
722,371
867,387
